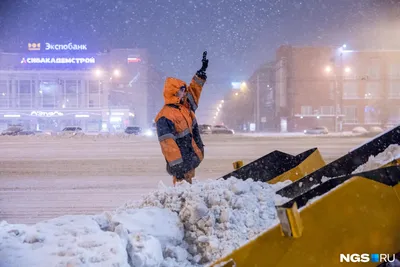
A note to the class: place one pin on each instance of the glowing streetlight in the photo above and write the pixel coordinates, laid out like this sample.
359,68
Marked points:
215,117
347,69
98,72
218,109
220,106
328,69
222,101
344,45
117,73
236,94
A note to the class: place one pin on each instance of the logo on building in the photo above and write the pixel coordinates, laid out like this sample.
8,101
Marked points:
47,114
69,46
58,60
33,46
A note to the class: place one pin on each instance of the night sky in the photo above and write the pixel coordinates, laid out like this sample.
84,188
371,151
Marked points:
239,34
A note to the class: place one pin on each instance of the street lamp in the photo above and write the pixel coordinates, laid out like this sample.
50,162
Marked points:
236,94
328,69
347,69
222,101
117,73
98,72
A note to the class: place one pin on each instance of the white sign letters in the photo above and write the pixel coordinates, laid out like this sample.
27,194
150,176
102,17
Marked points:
69,46
58,60
47,114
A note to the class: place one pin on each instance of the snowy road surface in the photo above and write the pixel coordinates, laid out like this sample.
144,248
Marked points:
42,178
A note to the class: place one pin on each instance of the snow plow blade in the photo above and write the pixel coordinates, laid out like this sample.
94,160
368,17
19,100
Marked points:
344,165
354,214
278,166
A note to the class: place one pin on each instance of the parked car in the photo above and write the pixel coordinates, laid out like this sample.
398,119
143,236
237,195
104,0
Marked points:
136,130
205,129
14,130
221,129
72,130
317,130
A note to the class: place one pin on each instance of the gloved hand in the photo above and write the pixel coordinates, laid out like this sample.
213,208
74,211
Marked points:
202,72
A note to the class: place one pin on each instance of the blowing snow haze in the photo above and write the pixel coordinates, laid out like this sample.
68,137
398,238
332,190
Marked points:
240,35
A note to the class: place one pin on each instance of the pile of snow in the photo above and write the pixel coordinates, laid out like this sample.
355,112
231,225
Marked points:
64,241
187,225
391,153
359,130
218,216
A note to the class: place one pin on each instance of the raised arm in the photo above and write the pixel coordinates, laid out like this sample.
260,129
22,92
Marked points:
197,83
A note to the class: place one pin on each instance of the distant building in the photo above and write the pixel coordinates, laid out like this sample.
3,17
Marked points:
336,88
52,85
252,102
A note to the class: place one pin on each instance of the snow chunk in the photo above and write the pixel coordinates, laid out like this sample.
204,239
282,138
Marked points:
162,224
64,241
391,153
218,216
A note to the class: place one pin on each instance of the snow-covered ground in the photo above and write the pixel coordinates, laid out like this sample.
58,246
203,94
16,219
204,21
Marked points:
42,178
187,225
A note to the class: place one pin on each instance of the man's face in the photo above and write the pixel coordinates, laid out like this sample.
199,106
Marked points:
182,92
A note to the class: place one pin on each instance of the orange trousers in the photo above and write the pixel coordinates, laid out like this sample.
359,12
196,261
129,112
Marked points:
188,177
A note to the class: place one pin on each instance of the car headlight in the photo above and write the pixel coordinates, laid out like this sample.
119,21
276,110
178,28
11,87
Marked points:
149,133
305,131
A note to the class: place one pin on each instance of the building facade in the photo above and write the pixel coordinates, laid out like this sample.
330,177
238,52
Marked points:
250,106
50,86
336,88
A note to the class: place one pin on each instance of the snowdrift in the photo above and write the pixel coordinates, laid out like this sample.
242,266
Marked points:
188,225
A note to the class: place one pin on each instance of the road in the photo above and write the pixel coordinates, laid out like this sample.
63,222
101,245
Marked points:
46,177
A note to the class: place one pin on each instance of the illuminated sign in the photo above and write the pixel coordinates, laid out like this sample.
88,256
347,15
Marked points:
51,46
47,114
69,46
58,60
33,46
133,59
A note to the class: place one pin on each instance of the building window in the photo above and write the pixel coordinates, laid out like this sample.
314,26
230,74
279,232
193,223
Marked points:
394,71
24,94
71,94
374,69
394,115
350,113
371,115
394,89
48,93
372,90
306,110
4,94
327,110
95,93
350,90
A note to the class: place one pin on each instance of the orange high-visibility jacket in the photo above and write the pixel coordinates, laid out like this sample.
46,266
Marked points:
177,129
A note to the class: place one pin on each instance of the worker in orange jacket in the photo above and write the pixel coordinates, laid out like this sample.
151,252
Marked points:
177,129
